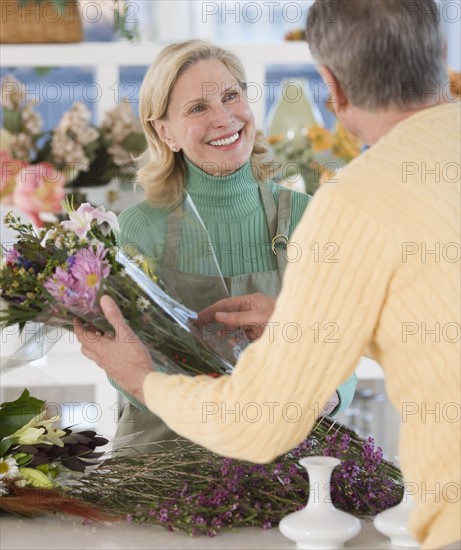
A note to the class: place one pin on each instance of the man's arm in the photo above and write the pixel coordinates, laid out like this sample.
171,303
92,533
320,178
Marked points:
324,318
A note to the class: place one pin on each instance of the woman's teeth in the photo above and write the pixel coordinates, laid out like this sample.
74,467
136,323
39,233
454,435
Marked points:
227,141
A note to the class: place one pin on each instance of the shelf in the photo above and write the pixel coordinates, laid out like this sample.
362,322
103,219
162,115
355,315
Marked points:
93,54
106,58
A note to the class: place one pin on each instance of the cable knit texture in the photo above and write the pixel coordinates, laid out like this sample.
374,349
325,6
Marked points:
381,264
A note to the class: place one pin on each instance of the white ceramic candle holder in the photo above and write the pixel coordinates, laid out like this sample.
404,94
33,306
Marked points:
319,525
393,523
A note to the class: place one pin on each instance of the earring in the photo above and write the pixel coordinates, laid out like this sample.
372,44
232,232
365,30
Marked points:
174,149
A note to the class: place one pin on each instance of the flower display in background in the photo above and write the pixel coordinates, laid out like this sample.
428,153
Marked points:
9,169
38,188
455,83
82,155
316,154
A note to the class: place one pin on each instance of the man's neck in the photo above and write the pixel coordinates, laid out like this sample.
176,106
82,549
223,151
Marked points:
370,127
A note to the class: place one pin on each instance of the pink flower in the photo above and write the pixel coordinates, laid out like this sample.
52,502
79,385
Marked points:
89,268
81,219
78,287
9,168
59,283
12,256
39,188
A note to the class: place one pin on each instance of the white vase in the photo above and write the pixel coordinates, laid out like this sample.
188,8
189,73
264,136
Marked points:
319,525
393,523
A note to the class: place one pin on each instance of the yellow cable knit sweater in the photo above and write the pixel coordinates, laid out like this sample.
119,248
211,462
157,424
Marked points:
379,273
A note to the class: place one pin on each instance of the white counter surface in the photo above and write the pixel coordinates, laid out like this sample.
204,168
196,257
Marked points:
53,532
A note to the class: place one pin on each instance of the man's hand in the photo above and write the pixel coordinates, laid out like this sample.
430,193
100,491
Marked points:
123,356
250,312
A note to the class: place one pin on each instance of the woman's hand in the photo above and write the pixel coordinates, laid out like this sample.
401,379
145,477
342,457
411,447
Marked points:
123,356
250,312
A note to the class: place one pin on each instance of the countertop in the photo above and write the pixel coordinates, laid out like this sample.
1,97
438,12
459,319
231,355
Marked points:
57,532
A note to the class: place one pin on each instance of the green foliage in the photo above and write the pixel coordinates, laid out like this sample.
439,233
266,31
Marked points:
14,414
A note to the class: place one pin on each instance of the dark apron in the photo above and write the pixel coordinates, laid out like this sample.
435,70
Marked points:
205,290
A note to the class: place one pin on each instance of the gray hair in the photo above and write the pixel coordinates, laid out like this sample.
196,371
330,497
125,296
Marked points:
384,53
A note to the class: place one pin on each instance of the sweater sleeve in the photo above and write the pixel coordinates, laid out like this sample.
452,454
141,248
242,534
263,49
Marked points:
324,318
346,391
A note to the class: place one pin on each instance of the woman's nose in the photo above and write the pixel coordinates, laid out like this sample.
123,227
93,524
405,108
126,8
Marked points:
222,116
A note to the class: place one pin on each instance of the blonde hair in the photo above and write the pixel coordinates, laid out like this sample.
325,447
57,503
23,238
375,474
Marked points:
162,172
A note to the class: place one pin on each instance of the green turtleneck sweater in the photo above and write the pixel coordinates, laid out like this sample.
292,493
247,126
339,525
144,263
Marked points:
232,211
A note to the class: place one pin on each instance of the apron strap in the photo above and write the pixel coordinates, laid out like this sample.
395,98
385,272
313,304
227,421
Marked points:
173,237
278,222
280,239
270,208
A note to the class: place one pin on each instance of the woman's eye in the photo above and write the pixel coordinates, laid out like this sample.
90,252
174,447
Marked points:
197,108
230,96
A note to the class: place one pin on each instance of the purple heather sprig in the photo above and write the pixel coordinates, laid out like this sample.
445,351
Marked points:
191,489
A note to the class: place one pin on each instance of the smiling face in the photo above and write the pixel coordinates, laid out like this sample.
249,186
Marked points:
209,119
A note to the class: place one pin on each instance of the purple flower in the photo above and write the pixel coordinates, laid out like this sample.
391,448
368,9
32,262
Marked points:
199,520
163,515
58,284
88,270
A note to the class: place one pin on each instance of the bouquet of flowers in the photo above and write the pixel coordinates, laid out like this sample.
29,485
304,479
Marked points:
33,453
59,273
316,154
191,489
38,168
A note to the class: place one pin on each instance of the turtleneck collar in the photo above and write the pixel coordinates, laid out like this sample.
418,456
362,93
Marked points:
238,187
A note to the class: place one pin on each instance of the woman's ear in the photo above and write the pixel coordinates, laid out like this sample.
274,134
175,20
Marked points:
161,129
336,97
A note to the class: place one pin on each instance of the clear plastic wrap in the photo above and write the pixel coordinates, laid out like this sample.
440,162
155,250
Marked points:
54,261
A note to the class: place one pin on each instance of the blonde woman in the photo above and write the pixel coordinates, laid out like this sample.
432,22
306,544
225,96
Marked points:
202,139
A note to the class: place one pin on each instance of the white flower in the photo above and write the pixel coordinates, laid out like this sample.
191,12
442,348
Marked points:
142,303
8,468
80,220
39,430
50,234
20,482
3,489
